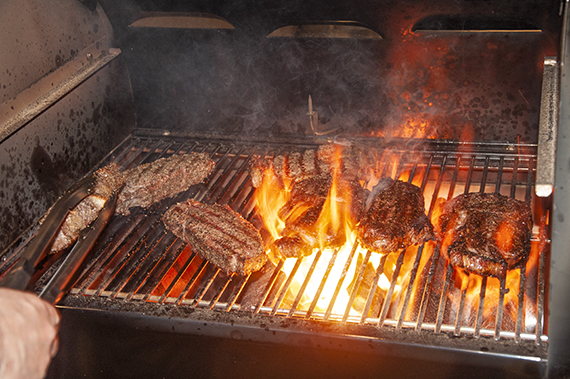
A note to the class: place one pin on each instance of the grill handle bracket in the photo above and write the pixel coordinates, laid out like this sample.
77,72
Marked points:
547,129
32,101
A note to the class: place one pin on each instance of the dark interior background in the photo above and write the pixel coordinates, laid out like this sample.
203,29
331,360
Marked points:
457,81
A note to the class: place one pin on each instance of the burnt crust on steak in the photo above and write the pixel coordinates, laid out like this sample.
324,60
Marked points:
485,233
301,213
291,247
164,178
350,161
395,218
218,234
107,180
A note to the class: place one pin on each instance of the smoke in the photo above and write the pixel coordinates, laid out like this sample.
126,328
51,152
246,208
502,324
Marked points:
405,85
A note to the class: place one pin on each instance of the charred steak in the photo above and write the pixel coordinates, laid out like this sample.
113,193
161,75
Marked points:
351,161
485,233
219,234
152,182
395,218
107,180
305,226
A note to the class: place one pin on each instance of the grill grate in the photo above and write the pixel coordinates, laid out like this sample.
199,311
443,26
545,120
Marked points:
137,260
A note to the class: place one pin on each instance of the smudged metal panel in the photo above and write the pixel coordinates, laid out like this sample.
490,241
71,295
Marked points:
64,141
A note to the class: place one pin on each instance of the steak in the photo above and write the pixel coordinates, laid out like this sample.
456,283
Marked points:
395,218
291,247
164,178
349,161
286,168
107,180
485,233
218,234
305,229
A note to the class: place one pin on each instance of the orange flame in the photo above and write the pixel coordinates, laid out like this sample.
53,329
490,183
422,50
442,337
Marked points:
270,197
334,220
472,285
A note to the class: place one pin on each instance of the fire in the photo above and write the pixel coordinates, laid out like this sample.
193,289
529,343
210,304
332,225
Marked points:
326,264
348,282
475,288
270,197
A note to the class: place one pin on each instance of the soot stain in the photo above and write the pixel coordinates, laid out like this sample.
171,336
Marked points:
45,171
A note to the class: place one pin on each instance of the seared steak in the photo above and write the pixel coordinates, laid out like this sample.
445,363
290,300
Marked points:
354,162
286,169
107,180
485,233
305,229
218,234
395,218
291,247
152,182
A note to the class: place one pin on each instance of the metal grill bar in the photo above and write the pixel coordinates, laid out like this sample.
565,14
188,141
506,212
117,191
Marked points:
137,260
477,332
443,298
270,285
286,285
148,273
160,269
305,283
386,304
379,271
410,286
322,284
341,280
522,281
176,280
357,285
234,296
540,302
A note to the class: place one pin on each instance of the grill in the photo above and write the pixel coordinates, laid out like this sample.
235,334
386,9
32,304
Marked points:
138,262
145,303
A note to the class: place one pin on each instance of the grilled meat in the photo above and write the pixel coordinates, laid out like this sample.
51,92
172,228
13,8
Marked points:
219,234
395,218
349,161
258,168
306,193
291,247
304,227
143,186
107,180
485,233
152,182
285,169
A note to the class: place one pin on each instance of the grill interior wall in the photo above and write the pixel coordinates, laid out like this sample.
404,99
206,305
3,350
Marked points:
136,259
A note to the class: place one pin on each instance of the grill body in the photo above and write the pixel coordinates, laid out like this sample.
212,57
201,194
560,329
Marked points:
146,304
143,278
